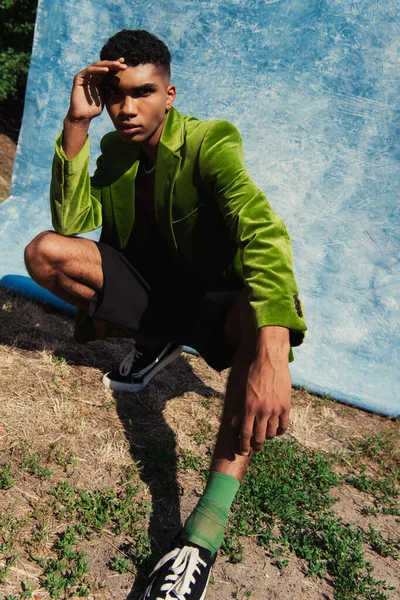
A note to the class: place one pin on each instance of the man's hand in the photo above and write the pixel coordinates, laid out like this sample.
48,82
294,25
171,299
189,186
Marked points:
87,102
268,391
87,97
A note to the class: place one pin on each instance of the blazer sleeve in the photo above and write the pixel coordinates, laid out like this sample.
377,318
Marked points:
260,234
75,198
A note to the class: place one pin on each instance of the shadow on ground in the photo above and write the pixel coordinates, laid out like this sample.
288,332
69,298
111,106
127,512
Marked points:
153,445
152,442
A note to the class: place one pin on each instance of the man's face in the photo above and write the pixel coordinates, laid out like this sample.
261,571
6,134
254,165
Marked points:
136,100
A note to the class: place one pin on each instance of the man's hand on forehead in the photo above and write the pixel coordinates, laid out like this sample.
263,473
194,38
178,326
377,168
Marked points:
103,68
87,97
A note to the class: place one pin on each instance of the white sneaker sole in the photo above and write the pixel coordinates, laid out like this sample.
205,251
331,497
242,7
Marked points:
206,588
119,386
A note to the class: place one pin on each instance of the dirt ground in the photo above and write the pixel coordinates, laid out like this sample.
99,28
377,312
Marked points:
7,154
44,399
51,392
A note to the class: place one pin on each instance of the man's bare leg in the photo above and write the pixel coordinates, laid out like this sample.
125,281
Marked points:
241,330
206,524
70,268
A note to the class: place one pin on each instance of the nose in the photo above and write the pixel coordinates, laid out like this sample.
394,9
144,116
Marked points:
128,107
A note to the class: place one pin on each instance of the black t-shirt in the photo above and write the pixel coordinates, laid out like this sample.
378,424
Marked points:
150,254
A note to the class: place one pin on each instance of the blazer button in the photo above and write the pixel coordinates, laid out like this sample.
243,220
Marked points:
297,306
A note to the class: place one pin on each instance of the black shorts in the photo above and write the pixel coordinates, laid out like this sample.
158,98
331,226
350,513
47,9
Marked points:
190,316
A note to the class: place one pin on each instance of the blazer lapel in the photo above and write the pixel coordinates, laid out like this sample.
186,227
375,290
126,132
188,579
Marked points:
122,189
168,163
123,193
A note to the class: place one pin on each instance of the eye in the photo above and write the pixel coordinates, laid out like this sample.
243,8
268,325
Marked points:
143,92
111,90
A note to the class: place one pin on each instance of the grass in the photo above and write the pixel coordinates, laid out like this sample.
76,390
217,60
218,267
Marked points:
378,472
6,480
79,466
63,516
68,569
75,515
286,503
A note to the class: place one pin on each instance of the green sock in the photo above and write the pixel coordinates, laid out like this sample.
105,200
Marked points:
206,524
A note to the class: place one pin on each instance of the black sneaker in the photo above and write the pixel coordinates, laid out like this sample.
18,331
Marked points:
182,574
138,368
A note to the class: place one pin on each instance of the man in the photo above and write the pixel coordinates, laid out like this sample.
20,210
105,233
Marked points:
190,253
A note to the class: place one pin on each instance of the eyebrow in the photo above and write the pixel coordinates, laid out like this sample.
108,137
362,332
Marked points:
146,87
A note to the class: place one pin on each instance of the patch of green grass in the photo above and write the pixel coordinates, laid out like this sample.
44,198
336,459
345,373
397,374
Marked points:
383,547
7,306
380,447
288,489
76,514
10,529
206,401
32,464
384,491
62,459
88,513
376,471
9,561
40,531
24,459
187,460
121,512
121,565
142,549
26,592
67,571
6,479
60,361
203,433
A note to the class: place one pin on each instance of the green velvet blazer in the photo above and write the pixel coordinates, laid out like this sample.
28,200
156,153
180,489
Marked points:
213,217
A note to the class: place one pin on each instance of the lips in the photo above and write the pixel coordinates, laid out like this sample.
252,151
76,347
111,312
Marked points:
128,127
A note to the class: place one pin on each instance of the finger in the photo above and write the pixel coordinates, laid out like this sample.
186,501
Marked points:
108,63
96,97
91,92
100,72
273,424
259,432
236,419
118,66
101,68
283,423
246,434
87,73
88,95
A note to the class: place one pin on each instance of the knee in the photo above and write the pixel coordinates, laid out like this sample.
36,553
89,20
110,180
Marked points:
41,255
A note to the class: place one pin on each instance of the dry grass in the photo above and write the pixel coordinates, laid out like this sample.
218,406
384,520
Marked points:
52,402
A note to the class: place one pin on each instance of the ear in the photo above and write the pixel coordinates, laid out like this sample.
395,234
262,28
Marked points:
171,94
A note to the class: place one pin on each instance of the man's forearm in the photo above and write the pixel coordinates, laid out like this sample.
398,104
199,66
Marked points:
74,135
273,343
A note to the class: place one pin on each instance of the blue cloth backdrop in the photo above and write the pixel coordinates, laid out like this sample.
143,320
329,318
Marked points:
313,88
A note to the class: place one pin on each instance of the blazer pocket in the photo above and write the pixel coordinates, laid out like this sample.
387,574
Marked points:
193,214
187,230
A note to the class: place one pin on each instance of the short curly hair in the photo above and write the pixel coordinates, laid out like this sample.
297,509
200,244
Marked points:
138,47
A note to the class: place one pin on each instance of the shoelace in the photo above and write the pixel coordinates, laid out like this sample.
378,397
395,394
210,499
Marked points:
182,573
126,365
